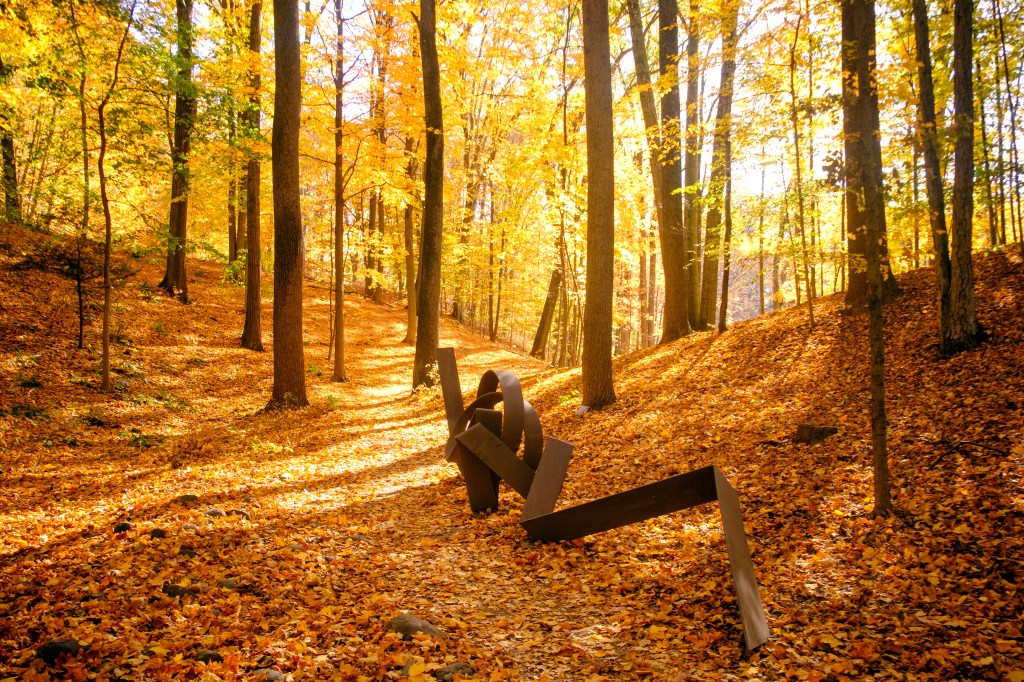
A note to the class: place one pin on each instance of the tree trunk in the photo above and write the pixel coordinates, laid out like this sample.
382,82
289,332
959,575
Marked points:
9,171
691,168
673,240
233,225
858,18
597,323
648,108
411,275
289,360
721,172
339,373
963,331
795,121
547,315
932,171
252,330
175,281
425,362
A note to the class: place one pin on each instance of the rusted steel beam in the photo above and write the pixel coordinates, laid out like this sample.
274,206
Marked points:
484,442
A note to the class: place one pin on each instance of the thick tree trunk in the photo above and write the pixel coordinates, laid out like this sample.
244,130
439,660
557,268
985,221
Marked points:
289,359
598,389
673,239
252,329
425,362
175,280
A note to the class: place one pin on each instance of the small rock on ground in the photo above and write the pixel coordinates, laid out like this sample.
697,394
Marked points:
122,527
269,675
52,650
187,499
158,533
177,591
448,673
208,656
407,626
215,513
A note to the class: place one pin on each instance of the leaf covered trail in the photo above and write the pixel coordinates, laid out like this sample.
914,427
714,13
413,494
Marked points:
351,516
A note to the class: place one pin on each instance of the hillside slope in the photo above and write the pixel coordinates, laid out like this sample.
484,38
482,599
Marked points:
351,515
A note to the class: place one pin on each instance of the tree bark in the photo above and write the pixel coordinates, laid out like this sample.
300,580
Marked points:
858,22
691,168
721,172
252,329
9,172
648,109
547,315
673,240
175,280
963,331
598,389
289,388
424,371
411,273
339,373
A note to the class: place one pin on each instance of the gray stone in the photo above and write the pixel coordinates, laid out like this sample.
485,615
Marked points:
187,499
208,656
215,513
448,673
269,675
240,512
187,551
122,527
407,626
53,649
158,533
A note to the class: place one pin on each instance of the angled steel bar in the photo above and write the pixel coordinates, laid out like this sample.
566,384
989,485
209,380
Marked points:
496,455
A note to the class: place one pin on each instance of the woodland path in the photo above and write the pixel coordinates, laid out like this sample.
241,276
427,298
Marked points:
353,517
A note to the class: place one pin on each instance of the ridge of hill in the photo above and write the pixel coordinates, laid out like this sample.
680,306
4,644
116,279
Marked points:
347,514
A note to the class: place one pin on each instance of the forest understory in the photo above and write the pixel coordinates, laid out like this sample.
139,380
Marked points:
309,530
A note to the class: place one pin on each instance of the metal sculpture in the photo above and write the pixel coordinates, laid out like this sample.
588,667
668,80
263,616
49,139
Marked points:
483,442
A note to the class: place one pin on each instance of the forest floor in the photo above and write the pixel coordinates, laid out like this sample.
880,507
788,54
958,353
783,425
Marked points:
352,516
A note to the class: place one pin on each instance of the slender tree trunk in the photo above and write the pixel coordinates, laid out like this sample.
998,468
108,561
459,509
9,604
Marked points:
339,374
721,172
540,341
993,224
673,238
9,171
252,329
691,167
1012,106
175,280
932,172
104,200
858,18
411,273
727,251
598,389
233,225
648,108
1001,164
964,331
760,243
795,121
289,388
425,362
